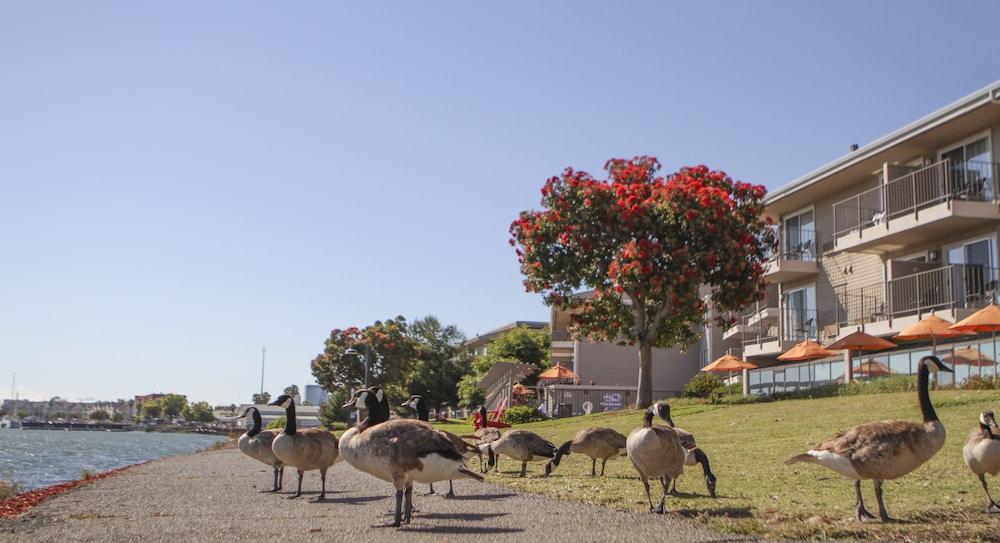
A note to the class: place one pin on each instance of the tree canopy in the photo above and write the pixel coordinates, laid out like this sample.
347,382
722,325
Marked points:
520,344
172,405
422,357
654,250
199,412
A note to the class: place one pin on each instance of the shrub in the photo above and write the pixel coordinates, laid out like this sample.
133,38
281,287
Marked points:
9,489
984,382
277,423
522,413
702,385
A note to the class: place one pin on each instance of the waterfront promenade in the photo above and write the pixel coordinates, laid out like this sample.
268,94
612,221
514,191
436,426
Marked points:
213,496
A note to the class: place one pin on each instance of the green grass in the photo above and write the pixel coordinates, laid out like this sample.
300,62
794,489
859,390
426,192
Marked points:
760,495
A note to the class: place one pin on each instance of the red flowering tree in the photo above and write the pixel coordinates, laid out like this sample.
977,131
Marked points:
393,352
652,249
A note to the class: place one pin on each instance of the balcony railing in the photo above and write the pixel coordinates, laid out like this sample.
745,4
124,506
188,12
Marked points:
950,287
797,244
798,324
940,182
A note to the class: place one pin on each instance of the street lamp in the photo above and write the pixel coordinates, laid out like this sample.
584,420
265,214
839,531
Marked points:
368,354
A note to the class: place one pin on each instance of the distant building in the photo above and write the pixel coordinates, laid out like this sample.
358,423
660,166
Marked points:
58,408
480,344
316,395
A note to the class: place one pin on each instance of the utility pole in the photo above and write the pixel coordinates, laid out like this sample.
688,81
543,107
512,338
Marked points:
263,352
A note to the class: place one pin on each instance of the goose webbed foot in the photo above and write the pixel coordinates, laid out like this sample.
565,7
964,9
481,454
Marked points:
863,515
319,498
451,490
293,496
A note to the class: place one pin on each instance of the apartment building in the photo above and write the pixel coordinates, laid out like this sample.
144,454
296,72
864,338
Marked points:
607,365
898,229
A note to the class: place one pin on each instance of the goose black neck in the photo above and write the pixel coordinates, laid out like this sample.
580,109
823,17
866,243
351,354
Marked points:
647,419
702,459
422,412
923,378
255,427
290,426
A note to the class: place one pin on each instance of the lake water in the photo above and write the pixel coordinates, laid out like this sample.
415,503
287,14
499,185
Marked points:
37,458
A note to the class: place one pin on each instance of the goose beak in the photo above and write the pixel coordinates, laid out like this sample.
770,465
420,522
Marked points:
710,483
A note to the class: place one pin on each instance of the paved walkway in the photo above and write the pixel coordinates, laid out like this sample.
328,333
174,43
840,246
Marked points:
212,496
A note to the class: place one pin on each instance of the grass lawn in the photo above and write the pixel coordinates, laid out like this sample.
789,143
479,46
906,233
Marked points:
760,495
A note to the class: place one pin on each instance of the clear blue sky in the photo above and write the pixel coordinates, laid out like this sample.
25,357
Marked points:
181,183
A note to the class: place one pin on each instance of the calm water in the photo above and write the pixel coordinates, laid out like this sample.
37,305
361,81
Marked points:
37,458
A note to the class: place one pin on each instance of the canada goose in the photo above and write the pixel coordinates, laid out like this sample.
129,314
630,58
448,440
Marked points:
982,454
257,445
594,442
400,451
883,450
418,404
304,450
520,445
656,453
695,454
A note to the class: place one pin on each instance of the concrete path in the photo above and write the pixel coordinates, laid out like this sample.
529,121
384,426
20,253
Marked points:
213,496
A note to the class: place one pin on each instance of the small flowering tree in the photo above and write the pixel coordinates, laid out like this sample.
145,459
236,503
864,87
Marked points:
651,249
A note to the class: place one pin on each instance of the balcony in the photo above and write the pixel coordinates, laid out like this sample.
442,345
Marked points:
930,202
952,292
753,323
796,258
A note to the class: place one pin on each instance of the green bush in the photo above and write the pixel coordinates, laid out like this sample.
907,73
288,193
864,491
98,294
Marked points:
277,423
522,413
702,385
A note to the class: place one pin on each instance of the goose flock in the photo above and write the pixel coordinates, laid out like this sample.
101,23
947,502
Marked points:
404,451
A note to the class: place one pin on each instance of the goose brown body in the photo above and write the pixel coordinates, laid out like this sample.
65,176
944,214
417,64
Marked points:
982,454
656,453
597,442
520,445
884,450
305,450
400,451
258,447
256,444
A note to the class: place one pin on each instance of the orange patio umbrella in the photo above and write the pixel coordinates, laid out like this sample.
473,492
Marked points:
806,350
559,373
986,319
930,327
970,356
522,390
861,342
728,364
871,368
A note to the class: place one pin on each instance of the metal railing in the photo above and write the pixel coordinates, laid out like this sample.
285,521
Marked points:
949,287
924,187
761,331
799,324
798,244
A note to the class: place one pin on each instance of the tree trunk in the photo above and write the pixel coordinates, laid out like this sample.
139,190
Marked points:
644,398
